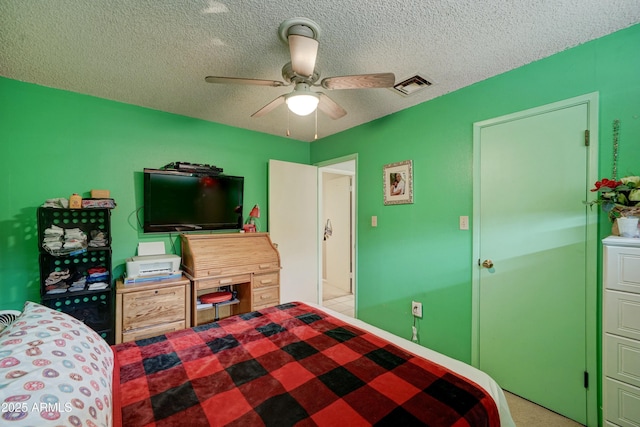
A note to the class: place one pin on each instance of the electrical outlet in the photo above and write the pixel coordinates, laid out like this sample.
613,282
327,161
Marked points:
416,308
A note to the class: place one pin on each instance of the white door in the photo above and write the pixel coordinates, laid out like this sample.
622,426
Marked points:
535,318
293,226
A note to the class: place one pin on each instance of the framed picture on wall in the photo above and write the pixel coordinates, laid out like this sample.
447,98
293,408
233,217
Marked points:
397,181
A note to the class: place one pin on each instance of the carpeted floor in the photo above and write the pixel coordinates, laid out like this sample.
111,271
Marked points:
528,414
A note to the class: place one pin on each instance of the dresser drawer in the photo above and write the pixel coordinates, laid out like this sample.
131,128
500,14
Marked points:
152,331
265,280
622,314
623,359
153,307
621,403
622,269
266,297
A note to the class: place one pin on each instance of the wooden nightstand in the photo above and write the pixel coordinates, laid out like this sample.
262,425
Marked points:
149,309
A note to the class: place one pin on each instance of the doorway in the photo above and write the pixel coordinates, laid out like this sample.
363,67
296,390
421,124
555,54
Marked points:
297,227
337,219
535,285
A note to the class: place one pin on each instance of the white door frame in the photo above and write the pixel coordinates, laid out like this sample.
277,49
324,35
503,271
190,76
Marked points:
329,166
591,350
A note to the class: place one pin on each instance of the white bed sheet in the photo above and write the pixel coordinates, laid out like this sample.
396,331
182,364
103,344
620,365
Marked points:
468,371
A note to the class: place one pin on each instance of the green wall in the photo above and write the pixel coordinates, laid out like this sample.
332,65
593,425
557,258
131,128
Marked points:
417,251
54,143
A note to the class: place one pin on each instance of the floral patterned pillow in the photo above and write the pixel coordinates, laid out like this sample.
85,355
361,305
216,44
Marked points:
54,370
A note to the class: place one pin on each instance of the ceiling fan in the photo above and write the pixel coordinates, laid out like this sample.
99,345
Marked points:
301,34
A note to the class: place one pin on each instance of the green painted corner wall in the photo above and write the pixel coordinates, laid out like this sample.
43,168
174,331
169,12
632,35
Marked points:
417,251
54,143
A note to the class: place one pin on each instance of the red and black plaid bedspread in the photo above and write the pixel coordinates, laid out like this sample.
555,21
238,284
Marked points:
290,365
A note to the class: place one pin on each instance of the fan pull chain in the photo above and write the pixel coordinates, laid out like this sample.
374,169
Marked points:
315,137
288,132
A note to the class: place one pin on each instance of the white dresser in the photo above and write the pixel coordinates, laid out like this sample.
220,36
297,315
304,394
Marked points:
621,332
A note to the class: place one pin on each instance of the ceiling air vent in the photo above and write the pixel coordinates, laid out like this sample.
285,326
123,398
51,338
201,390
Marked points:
412,85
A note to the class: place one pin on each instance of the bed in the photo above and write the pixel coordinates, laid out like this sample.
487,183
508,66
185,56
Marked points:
294,364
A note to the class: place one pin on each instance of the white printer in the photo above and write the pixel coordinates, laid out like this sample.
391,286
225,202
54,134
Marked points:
153,265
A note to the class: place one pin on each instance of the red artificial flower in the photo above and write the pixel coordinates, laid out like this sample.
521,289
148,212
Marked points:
606,184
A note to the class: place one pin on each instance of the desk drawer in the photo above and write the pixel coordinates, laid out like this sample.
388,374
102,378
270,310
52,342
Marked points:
265,280
152,331
233,270
221,281
266,296
266,266
260,307
153,307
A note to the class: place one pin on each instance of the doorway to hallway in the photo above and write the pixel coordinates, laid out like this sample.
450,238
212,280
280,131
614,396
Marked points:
337,216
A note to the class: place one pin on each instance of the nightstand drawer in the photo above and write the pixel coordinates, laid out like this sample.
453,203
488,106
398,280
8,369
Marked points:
265,280
152,331
153,307
266,296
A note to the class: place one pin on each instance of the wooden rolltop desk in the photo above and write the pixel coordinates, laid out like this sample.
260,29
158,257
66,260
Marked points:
248,261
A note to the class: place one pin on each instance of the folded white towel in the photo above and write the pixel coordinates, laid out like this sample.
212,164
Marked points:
97,286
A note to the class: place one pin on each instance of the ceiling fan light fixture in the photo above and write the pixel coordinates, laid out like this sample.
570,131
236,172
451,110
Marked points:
301,34
302,104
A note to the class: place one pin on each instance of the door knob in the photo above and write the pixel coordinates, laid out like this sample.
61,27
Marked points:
487,263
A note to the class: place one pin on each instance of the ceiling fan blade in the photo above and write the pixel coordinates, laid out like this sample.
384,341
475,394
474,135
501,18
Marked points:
330,107
241,81
361,81
304,51
269,107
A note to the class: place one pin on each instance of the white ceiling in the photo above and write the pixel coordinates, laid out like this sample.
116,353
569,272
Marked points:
156,53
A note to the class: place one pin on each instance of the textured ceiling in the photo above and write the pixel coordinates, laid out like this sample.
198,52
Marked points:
156,53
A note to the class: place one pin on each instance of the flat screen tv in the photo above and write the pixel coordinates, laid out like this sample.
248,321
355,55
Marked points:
182,201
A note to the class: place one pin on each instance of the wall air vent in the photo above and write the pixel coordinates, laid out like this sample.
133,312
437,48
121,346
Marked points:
412,85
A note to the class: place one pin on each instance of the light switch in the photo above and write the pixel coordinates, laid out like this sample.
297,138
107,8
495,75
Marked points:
374,221
464,223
